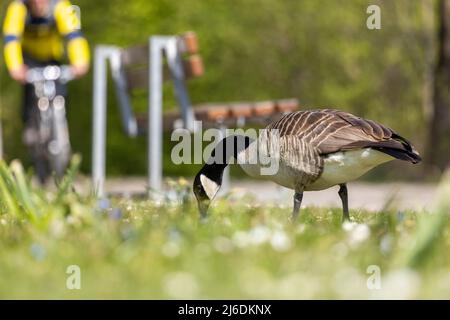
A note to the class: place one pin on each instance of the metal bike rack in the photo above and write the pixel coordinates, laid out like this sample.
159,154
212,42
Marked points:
159,47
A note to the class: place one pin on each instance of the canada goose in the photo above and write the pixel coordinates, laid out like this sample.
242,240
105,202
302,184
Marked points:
317,149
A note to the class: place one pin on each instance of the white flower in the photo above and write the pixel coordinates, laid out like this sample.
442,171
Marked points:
280,241
259,234
349,226
256,236
357,233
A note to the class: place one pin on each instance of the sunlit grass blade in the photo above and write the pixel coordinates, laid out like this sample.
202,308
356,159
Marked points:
22,187
430,226
69,177
7,197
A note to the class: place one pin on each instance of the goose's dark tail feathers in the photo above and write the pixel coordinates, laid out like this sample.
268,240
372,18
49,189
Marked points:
399,148
400,154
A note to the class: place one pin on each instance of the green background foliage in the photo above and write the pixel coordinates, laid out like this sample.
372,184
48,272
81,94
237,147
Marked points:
318,51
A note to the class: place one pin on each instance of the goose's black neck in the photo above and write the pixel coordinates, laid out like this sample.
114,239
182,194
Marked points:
226,149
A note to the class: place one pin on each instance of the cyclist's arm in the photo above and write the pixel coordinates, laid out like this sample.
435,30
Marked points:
13,27
68,24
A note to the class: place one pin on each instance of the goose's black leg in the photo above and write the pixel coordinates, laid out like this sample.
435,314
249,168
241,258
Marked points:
344,198
298,196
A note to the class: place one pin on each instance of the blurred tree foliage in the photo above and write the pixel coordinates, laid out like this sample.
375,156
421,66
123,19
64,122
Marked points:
318,51
438,146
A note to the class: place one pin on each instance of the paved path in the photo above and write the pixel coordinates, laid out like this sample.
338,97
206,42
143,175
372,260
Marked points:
371,196
361,195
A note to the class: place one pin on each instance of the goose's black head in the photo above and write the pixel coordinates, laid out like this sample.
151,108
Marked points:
206,185
209,179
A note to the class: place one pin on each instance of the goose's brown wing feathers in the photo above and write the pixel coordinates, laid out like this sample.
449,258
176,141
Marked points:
330,131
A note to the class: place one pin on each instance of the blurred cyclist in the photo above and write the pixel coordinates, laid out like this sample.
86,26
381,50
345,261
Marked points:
38,33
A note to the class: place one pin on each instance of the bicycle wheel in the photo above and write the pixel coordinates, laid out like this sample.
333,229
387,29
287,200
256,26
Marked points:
36,142
59,149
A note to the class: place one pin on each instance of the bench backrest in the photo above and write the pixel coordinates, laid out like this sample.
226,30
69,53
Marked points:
135,62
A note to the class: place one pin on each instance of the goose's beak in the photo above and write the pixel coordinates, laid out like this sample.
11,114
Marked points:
203,206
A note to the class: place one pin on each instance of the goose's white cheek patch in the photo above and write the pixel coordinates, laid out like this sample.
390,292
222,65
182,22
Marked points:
210,186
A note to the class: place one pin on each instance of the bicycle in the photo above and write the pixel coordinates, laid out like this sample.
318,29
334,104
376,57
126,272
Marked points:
47,134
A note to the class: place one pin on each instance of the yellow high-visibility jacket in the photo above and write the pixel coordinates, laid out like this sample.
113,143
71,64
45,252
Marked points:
43,39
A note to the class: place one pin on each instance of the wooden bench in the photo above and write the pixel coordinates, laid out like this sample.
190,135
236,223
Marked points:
135,65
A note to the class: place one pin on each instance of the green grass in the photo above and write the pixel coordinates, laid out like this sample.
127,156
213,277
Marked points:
150,249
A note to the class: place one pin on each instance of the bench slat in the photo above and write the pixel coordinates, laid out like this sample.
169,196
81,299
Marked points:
264,108
228,113
211,112
241,110
287,105
137,78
